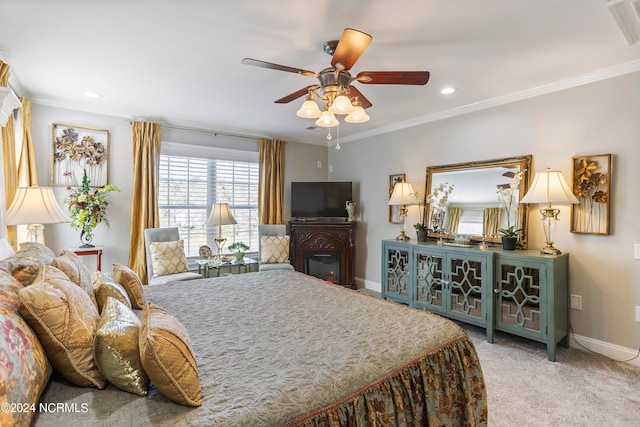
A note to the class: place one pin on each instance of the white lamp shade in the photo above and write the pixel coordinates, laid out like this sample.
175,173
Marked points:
341,105
221,215
549,187
403,194
358,115
35,205
309,110
327,120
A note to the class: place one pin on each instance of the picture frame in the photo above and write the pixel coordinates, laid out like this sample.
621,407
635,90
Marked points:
394,211
591,184
77,149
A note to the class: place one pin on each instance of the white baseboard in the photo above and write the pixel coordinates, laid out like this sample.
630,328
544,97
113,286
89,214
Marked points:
612,351
369,284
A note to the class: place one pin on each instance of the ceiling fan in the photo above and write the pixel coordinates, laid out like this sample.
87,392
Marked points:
334,88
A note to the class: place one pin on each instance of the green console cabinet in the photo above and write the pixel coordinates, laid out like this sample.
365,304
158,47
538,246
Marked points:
519,292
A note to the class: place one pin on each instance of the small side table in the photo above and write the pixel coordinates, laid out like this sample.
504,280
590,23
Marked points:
96,250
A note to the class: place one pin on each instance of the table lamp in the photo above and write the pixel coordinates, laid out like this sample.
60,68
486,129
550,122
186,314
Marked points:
220,215
35,206
549,187
402,196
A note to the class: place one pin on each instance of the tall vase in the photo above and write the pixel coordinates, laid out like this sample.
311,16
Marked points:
86,241
351,209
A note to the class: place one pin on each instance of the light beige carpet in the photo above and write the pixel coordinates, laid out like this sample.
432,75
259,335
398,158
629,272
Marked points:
580,389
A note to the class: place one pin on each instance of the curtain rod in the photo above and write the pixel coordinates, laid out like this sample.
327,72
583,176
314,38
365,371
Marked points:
209,131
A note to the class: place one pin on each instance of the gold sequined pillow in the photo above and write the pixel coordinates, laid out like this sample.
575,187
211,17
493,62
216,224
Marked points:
168,258
104,287
274,249
65,320
130,282
167,356
73,267
116,348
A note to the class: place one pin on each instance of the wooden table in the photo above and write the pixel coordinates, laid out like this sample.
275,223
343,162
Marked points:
96,250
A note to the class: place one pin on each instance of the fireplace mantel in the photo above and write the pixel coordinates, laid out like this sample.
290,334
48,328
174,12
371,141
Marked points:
323,237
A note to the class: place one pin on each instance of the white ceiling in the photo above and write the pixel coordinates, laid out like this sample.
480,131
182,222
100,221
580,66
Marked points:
178,63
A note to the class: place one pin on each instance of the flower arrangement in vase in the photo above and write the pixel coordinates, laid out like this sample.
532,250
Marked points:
509,202
88,207
438,199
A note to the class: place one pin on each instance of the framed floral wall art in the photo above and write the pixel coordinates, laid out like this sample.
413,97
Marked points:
78,149
591,177
394,210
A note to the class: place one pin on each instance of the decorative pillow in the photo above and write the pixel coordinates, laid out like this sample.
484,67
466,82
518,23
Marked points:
71,265
9,288
131,283
65,320
28,261
104,287
24,368
167,357
116,348
168,258
274,249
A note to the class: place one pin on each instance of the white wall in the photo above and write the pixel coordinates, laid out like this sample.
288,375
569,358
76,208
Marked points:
602,117
301,165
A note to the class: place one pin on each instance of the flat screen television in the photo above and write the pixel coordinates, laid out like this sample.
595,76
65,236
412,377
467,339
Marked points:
320,199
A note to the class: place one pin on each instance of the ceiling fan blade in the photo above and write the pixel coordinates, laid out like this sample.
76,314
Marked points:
350,47
354,92
393,77
264,64
295,95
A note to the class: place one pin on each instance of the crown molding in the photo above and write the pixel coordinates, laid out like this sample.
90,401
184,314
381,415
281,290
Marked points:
583,79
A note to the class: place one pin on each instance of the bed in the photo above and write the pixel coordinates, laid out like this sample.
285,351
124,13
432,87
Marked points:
282,348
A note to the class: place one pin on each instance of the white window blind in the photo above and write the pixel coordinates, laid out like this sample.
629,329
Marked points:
471,221
189,186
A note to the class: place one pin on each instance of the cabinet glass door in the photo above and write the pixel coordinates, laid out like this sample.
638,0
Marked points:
520,299
397,275
430,281
466,287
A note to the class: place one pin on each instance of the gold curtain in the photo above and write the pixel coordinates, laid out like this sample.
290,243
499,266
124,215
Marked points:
27,172
454,220
9,158
271,185
144,201
492,221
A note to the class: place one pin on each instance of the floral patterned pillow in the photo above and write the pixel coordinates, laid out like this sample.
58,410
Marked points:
24,367
28,261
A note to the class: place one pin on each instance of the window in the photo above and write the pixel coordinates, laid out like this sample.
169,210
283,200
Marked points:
189,186
471,222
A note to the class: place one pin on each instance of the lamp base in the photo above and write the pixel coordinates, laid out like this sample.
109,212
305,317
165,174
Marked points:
220,241
549,249
403,237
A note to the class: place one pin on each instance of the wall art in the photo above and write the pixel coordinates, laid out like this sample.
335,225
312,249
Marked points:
77,149
591,176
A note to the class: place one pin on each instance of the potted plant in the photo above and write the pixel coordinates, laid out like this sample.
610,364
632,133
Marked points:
509,202
240,249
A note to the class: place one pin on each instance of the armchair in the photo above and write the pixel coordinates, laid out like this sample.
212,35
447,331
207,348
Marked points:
273,247
157,235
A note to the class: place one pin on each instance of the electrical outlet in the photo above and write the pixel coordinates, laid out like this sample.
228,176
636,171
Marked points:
576,302
636,251
638,313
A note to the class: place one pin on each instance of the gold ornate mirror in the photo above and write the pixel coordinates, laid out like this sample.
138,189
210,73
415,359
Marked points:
473,212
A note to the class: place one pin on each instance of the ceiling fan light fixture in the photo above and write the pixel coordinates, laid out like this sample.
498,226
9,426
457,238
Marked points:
341,105
327,120
357,116
309,109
